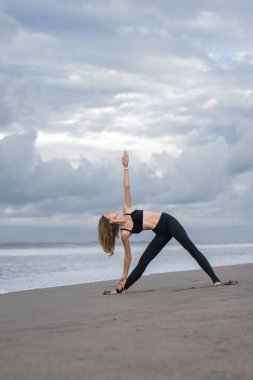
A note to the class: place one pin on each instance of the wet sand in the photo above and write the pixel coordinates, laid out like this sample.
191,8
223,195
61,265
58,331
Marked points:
168,326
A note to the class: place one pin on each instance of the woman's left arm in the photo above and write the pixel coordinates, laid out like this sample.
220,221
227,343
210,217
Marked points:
126,183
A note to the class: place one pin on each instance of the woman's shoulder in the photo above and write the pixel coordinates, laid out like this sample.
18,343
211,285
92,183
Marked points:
125,235
128,210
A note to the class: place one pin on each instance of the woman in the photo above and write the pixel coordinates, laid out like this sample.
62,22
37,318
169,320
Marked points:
164,225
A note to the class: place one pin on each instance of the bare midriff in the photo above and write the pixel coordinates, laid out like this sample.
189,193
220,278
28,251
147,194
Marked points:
150,219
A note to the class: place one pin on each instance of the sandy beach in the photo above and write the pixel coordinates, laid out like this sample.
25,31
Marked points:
168,326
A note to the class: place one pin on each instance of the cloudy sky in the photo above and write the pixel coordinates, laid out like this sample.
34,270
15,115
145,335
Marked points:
81,81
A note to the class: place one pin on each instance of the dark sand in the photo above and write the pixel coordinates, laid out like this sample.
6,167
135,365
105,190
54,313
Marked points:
161,329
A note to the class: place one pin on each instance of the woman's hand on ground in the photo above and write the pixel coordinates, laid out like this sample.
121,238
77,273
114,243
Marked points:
122,282
125,159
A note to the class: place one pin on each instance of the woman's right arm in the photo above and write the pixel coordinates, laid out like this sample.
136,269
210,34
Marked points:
127,260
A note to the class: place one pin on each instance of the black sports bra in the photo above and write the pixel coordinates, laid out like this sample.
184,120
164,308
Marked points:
137,218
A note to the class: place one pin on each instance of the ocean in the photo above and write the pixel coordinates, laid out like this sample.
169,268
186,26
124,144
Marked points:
26,266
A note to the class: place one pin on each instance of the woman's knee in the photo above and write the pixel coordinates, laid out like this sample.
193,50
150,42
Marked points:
143,263
185,241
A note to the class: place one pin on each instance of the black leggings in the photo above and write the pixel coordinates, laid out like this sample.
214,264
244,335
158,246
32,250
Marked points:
167,228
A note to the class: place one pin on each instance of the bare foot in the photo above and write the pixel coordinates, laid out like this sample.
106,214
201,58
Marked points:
113,291
218,283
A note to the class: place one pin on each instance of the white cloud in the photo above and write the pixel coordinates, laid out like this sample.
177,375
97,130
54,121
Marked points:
210,103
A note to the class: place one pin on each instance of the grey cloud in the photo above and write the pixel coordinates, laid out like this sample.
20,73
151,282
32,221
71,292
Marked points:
160,70
122,54
8,28
54,185
5,114
32,188
200,174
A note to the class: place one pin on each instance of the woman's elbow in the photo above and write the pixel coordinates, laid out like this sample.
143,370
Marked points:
128,257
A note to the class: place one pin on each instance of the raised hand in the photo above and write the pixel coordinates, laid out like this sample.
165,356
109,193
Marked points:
125,159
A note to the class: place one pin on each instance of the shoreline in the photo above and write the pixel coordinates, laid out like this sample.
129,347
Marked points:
115,279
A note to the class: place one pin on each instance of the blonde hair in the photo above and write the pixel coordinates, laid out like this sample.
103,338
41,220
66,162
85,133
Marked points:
107,234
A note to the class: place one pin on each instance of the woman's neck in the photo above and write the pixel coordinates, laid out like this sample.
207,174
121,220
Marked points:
120,220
